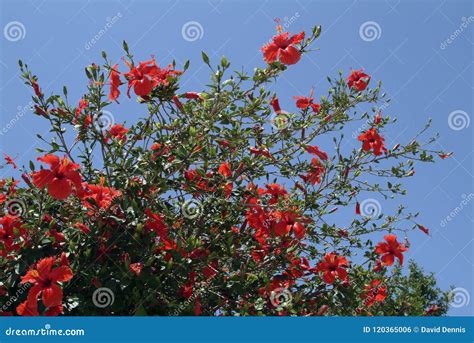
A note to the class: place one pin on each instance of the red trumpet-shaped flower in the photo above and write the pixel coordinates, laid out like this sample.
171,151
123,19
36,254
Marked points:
304,102
98,195
45,277
283,48
118,132
315,173
312,149
61,179
333,265
371,140
225,169
391,249
358,80
114,83
11,230
374,292
147,75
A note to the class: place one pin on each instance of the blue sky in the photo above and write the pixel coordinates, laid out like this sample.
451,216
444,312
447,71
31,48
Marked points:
421,50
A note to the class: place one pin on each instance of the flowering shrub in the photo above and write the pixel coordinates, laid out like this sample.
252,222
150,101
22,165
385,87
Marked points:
212,203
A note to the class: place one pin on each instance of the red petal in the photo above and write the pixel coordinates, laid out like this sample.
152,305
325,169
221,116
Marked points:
270,52
24,309
143,87
52,160
52,296
61,274
290,55
329,277
59,189
387,259
42,178
295,39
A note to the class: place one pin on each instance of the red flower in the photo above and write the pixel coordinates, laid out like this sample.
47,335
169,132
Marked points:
156,223
283,48
315,173
444,156
27,309
36,88
10,161
261,151
373,293
371,140
390,249
304,102
45,280
62,179
98,195
178,103
378,118
358,80
315,151
84,228
114,83
225,170
424,229
12,229
193,95
147,75
119,132
284,222
83,104
358,208
276,105
333,265
136,268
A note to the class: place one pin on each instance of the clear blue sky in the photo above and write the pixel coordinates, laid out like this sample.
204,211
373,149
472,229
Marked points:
424,71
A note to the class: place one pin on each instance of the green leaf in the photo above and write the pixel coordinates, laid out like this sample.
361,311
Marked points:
205,58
